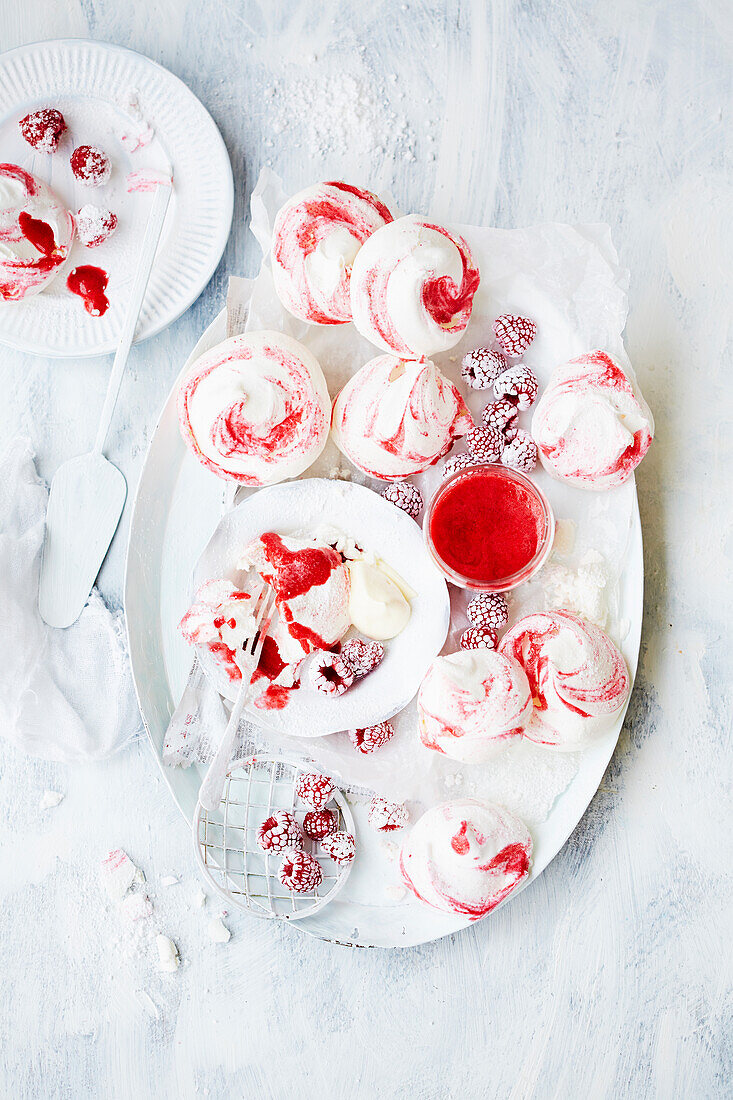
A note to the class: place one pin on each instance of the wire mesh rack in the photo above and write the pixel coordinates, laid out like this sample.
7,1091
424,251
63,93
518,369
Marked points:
231,861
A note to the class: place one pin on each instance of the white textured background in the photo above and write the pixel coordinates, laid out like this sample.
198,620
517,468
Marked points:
610,976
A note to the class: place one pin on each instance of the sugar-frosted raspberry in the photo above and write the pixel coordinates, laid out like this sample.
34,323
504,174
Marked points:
501,415
341,847
94,225
481,367
479,637
514,333
319,823
90,165
43,129
300,872
314,789
362,657
485,444
405,496
518,384
458,462
488,609
330,674
279,832
371,738
521,453
387,816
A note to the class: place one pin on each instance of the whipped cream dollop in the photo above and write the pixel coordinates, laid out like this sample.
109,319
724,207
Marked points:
412,287
378,607
316,237
255,409
396,417
36,232
465,857
578,678
472,701
592,427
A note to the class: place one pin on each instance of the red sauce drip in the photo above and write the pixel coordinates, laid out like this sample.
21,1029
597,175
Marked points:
486,527
39,233
90,284
459,843
512,860
297,571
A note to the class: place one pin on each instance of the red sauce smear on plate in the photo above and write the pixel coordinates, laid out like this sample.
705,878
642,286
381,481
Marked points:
90,284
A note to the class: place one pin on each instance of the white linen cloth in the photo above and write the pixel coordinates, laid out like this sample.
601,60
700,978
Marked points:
64,694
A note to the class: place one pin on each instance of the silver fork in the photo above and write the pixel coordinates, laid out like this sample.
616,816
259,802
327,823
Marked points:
247,659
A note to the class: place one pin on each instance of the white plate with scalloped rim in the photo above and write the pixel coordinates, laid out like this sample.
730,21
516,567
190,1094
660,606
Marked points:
178,506
90,82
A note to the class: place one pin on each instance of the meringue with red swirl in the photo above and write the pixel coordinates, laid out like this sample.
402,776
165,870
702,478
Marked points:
412,288
36,232
396,417
316,237
577,676
592,427
465,857
472,702
255,409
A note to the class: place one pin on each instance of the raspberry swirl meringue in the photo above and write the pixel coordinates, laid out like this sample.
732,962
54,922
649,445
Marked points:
396,417
472,701
591,426
412,288
255,409
578,678
316,237
36,232
465,857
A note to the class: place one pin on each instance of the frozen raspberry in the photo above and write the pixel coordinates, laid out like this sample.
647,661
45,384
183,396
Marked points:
43,129
300,872
485,444
502,415
514,333
319,823
94,225
371,738
518,384
481,367
279,832
405,496
341,847
479,637
488,609
314,789
362,657
387,816
458,462
330,674
521,453
90,165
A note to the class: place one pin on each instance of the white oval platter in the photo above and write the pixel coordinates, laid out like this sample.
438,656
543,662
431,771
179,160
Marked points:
177,507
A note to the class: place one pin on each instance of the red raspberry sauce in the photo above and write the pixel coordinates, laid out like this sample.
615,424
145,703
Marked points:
90,284
486,527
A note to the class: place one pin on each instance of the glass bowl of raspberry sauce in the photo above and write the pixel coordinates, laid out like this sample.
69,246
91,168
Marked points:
489,528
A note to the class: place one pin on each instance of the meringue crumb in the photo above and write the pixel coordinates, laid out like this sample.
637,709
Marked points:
50,800
218,931
168,958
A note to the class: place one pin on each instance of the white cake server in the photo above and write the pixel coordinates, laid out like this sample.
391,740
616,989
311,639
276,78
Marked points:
88,493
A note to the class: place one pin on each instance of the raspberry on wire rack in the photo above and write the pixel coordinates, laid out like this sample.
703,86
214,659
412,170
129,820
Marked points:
272,847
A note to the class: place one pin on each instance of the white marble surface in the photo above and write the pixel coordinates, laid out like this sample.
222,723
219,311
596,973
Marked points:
608,978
